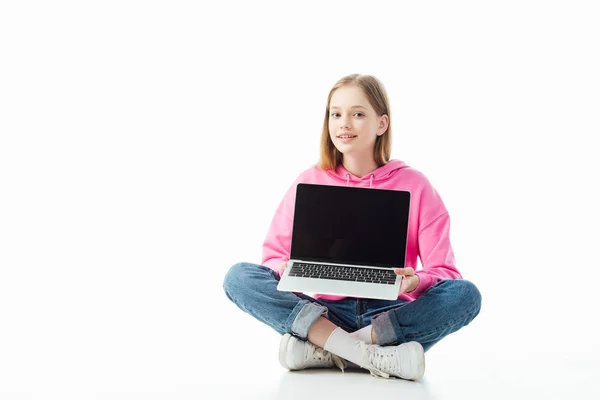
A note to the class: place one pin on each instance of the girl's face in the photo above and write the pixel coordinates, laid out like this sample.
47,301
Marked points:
353,123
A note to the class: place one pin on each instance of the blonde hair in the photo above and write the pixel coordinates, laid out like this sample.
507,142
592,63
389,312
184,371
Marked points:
375,92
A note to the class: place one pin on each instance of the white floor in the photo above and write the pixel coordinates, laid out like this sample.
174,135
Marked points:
451,380
192,344
511,351
485,360
452,373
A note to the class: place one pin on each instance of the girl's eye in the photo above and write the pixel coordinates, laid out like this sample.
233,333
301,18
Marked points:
337,115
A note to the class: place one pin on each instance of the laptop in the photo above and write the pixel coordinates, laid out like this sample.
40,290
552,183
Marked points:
346,241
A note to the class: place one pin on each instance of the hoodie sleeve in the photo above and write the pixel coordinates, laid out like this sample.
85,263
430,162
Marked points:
277,244
435,250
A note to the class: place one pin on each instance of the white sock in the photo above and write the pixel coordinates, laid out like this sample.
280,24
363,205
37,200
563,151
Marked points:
363,334
343,345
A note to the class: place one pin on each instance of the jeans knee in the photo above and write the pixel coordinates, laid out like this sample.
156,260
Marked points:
234,278
470,295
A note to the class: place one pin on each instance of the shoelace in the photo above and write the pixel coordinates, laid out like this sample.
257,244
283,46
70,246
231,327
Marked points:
317,353
339,362
379,362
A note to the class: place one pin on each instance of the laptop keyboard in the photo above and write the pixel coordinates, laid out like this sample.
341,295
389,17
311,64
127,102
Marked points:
343,273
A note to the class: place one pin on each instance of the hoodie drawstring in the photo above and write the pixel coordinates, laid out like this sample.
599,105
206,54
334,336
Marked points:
347,179
371,181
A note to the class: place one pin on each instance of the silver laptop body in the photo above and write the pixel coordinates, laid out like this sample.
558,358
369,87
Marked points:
346,241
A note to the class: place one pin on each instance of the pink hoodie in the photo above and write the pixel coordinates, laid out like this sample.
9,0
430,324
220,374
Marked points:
428,229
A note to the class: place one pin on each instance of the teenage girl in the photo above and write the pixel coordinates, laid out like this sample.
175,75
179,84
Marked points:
388,338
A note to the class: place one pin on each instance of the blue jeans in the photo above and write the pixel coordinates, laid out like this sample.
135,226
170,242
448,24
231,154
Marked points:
442,309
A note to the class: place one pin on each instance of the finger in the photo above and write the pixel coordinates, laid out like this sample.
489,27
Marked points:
404,271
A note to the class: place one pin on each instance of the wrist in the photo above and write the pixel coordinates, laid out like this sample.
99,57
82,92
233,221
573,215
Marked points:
414,285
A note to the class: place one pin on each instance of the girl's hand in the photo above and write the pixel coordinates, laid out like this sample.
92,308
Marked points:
281,268
410,280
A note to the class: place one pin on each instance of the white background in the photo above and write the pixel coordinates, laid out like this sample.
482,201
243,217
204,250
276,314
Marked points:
144,147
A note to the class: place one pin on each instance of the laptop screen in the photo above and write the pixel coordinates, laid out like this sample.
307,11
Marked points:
349,225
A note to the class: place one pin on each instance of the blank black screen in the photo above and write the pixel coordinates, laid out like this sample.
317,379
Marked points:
348,225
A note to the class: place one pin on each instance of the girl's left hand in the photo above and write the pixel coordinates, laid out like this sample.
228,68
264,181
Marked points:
410,280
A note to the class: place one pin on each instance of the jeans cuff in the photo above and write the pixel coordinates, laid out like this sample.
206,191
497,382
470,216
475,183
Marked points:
306,317
385,332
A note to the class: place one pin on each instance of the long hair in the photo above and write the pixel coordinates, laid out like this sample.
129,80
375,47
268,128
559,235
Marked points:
375,92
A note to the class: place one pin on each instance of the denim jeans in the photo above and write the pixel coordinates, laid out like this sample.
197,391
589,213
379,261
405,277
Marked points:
442,309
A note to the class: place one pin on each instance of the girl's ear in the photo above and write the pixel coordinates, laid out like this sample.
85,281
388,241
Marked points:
383,124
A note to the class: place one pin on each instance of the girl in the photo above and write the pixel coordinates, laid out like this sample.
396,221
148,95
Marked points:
388,338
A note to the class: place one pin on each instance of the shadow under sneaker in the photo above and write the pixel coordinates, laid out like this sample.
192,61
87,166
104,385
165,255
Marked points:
295,354
406,361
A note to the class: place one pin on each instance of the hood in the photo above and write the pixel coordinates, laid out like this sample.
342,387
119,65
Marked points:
379,175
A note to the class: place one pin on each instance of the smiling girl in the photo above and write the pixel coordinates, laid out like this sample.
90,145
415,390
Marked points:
388,338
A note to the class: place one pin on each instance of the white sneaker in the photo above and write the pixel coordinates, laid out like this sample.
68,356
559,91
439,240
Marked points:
406,361
296,354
